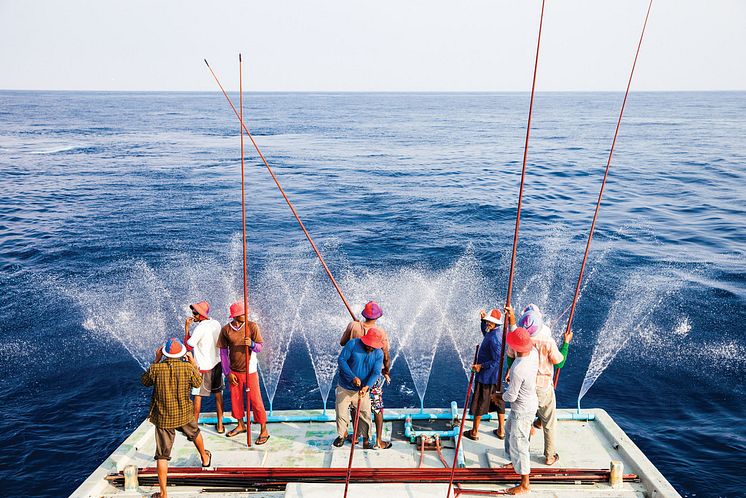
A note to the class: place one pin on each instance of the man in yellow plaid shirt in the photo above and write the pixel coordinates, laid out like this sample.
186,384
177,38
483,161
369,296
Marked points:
171,408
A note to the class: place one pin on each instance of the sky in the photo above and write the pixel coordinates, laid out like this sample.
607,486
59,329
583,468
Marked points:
381,45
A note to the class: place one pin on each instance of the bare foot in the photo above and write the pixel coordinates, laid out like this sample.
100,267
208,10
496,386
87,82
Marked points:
508,465
518,490
551,460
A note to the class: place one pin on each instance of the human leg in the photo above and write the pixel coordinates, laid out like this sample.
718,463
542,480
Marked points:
237,401
517,442
257,406
164,441
197,402
342,404
162,466
365,418
548,417
219,409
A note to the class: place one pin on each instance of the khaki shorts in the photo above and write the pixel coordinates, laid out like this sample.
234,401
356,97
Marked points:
164,438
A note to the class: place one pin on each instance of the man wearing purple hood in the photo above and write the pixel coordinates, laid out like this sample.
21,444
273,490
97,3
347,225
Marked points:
550,357
356,330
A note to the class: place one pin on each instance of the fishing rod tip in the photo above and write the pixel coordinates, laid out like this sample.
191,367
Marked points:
208,64
239,57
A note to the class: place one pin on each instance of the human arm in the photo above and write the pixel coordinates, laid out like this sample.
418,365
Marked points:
347,334
345,372
371,379
195,379
511,394
146,379
510,316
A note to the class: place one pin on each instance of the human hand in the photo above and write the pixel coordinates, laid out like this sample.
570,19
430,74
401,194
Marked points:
507,377
356,382
568,336
388,379
482,314
233,379
510,314
190,358
476,367
189,321
248,342
364,391
158,354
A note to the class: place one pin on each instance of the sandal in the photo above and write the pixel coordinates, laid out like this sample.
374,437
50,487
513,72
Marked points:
235,432
386,445
261,440
498,435
470,435
209,458
555,457
219,431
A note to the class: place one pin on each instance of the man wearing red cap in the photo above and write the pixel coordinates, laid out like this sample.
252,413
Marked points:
203,341
233,342
521,394
170,407
355,330
360,364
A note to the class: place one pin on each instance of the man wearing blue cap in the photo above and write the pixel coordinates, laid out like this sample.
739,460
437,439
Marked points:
171,409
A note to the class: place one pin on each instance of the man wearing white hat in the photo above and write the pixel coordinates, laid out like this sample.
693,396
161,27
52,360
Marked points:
487,376
171,408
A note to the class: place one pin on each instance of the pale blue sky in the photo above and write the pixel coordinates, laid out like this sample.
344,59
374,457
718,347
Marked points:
381,45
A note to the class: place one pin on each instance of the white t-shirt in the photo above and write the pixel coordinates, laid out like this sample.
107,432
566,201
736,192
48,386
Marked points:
204,339
521,392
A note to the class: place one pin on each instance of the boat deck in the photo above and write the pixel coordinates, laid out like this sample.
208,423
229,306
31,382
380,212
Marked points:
590,444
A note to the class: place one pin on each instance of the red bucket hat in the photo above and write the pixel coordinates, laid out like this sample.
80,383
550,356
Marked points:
201,307
520,340
237,309
372,311
373,339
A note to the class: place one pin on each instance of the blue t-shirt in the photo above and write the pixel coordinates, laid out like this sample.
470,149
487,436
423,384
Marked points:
355,361
489,357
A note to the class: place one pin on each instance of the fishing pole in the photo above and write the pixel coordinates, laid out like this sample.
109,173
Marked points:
247,389
603,186
284,195
354,441
520,198
461,426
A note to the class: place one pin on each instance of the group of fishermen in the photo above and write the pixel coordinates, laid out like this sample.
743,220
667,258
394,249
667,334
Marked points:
210,353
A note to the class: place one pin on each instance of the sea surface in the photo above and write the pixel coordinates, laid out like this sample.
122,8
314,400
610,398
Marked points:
119,209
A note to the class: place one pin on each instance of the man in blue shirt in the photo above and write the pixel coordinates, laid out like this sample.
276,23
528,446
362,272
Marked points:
488,376
360,364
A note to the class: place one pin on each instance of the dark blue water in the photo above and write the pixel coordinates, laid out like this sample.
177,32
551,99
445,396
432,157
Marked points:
118,209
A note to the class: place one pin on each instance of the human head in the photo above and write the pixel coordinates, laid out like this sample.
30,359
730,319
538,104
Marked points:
493,319
372,311
237,311
520,340
173,348
373,339
531,320
200,310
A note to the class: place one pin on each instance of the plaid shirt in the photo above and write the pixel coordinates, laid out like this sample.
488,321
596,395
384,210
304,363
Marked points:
170,406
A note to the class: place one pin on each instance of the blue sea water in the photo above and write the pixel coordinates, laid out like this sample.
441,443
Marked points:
119,209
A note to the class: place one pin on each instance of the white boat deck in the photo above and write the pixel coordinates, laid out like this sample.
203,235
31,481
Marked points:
581,444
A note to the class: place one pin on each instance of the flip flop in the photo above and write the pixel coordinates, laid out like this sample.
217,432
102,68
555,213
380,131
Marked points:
471,436
556,459
218,430
498,435
386,445
234,433
261,440
209,458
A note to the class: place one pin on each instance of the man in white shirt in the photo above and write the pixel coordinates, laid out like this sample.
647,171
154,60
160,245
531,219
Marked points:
203,340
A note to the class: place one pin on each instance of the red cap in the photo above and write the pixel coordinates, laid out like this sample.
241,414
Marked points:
373,338
237,309
201,307
520,340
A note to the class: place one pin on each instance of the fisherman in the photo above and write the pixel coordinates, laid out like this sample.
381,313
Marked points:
232,344
521,394
171,408
355,330
203,341
488,376
550,357
360,364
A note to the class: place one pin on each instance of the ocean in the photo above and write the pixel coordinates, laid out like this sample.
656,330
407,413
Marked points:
120,209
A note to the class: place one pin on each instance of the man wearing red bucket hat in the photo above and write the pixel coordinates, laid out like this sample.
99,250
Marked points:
233,342
203,340
521,394
355,330
170,406
360,364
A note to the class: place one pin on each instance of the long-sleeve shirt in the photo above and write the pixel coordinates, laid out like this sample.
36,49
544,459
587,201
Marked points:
355,361
521,392
172,379
356,330
549,356
489,357
232,339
